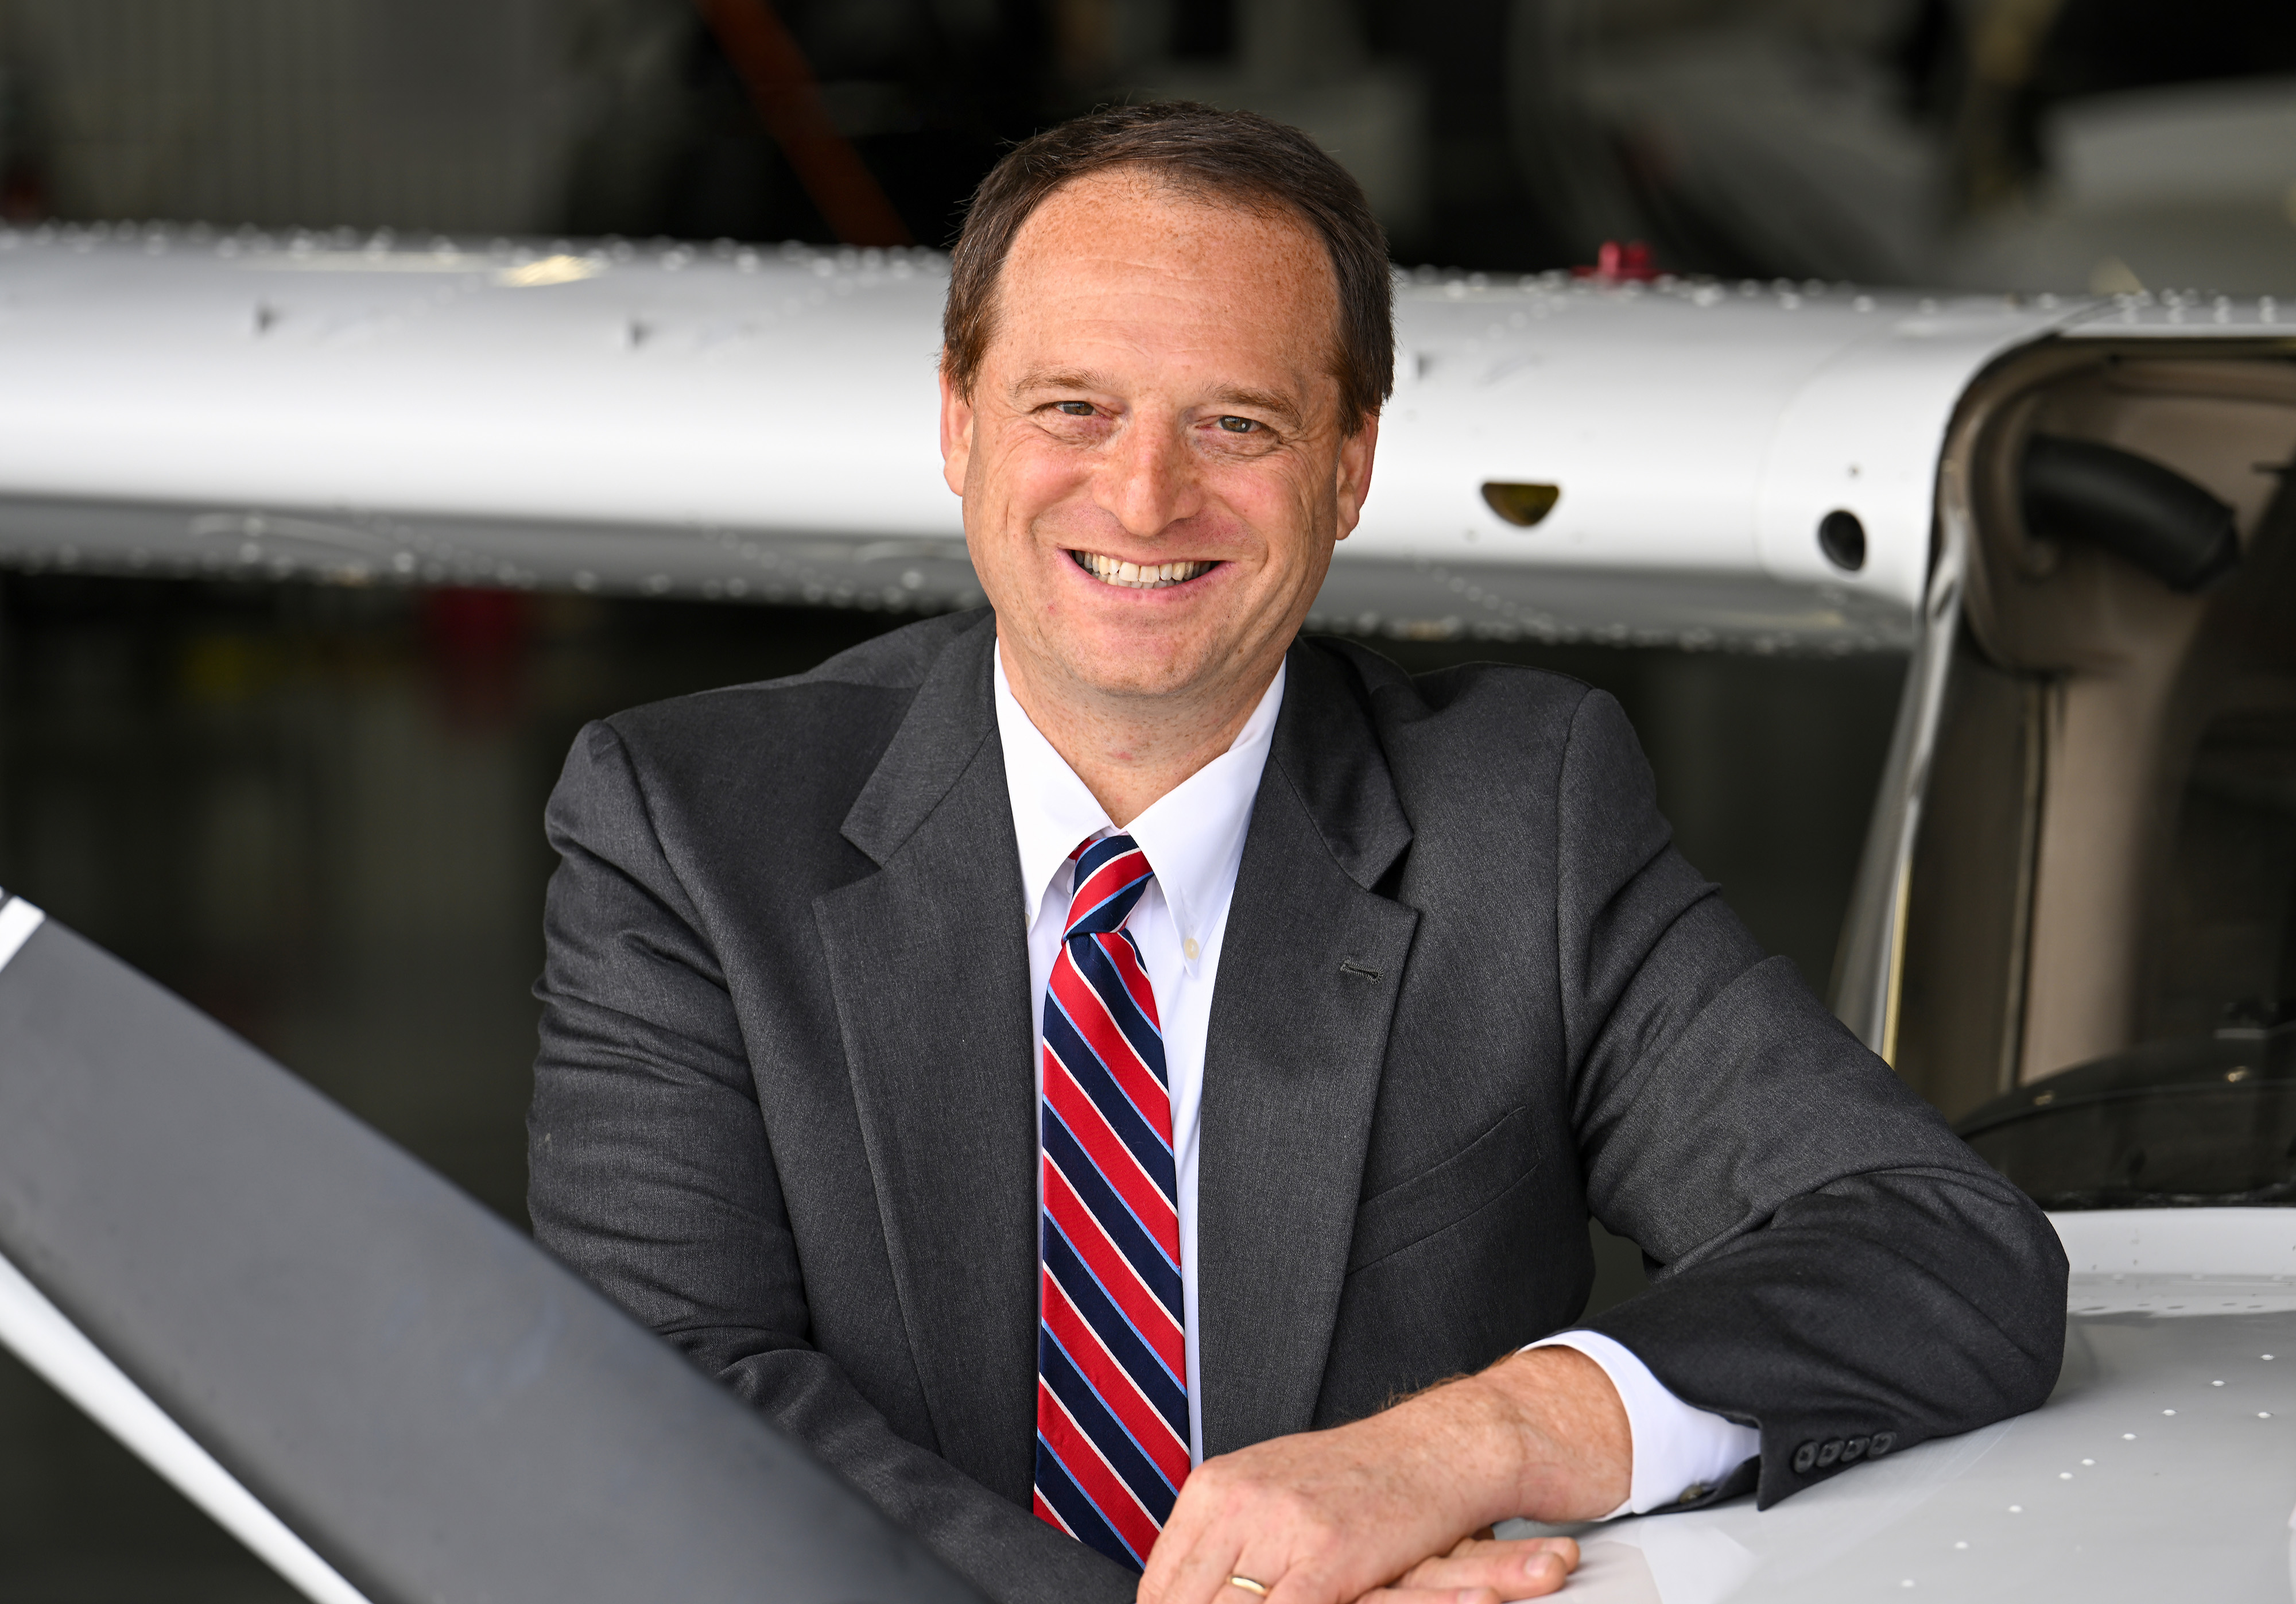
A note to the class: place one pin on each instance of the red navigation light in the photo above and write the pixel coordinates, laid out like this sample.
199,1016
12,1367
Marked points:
1614,264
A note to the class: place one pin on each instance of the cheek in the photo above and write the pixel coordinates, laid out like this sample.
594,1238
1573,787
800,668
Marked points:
1291,513
1029,479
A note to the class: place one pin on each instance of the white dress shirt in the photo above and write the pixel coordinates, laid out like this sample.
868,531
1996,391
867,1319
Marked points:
1193,839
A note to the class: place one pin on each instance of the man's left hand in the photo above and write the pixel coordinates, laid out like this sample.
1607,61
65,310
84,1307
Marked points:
1395,1508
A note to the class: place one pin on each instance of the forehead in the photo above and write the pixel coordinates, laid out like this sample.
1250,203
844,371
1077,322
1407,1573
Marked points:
1128,258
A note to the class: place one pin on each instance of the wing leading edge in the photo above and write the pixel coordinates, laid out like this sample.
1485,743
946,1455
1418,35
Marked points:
732,422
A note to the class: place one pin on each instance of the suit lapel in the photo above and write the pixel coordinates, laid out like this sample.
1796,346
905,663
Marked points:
930,966
929,963
1310,967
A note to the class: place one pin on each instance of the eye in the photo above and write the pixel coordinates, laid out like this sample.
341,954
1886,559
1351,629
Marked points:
1239,426
1075,408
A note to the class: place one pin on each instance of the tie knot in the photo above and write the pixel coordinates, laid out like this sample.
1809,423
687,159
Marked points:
1110,875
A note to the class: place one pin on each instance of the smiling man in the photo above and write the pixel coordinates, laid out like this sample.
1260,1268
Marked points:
1126,1085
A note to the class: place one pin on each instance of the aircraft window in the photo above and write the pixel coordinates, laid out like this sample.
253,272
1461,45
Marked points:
2175,1123
2206,1111
81,1518
2228,937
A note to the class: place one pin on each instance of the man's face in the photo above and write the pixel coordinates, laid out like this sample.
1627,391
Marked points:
1153,461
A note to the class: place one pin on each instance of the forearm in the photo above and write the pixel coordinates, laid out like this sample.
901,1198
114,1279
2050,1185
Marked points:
1956,1271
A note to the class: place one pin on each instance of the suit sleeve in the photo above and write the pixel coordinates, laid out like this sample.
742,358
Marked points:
1832,1264
650,1175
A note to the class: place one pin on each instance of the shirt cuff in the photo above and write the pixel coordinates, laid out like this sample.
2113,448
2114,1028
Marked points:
1678,1450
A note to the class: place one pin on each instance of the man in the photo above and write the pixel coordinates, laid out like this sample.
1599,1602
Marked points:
1079,1066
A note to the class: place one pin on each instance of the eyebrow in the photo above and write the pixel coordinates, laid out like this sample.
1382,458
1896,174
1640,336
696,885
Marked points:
1060,378
1260,401
1079,378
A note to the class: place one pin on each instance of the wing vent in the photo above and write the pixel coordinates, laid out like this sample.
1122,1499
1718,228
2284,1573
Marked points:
1521,504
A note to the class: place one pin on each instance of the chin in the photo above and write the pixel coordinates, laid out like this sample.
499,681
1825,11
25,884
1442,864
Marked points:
1122,667
1112,676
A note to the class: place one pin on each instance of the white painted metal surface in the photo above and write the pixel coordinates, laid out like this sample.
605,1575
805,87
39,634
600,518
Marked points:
1691,427
2111,1244
2164,1467
732,421
57,1350
2186,314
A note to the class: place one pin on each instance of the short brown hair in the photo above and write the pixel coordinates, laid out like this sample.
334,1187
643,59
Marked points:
1235,156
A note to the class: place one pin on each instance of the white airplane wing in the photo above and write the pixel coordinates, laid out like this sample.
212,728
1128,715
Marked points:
736,422
2158,1469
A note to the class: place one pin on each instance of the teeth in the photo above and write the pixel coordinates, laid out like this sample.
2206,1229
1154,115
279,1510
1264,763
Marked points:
1137,576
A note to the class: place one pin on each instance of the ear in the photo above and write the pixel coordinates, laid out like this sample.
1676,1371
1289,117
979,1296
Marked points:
1356,453
956,432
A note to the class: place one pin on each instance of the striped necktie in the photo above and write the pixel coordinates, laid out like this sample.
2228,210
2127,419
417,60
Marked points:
1111,1360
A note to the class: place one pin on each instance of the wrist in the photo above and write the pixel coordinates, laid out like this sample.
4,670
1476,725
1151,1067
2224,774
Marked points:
1460,1445
1567,1440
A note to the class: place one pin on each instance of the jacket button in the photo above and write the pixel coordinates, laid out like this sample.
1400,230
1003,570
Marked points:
1883,1441
1853,1451
1829,1454
1805,1457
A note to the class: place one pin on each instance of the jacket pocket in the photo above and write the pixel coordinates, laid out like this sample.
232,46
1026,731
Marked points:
1441,1196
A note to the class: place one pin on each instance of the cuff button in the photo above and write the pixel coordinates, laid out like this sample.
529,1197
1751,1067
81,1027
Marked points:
1883,1441
1854,1450
1805,1457
1829,1454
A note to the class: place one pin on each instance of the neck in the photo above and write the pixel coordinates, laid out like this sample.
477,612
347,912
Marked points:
1130,751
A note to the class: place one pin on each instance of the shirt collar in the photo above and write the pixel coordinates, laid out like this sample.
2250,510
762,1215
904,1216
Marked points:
1192,834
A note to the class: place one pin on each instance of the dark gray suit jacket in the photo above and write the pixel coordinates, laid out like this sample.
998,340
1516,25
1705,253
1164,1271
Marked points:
783,1111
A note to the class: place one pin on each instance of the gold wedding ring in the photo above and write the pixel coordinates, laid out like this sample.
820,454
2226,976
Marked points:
1249,1585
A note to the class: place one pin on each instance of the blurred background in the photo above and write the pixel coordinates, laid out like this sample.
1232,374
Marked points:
2043,144
316,812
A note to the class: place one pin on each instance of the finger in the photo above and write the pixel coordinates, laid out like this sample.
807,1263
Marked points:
1198,1575
1483,1542
1520,1569
1484,1546
1206,1571
1474,1542
1189,1564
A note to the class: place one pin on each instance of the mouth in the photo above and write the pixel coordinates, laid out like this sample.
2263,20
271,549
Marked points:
1139,576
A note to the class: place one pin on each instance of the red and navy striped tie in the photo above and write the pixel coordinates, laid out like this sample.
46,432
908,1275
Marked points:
1111,1359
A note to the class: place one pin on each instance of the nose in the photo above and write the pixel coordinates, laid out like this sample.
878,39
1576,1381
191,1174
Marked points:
1147,481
